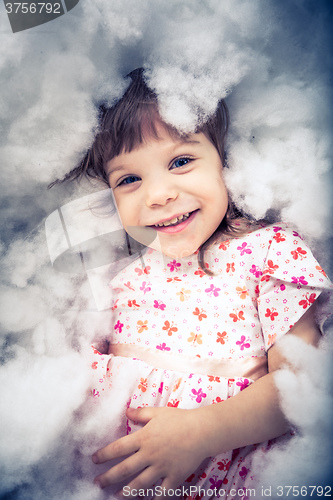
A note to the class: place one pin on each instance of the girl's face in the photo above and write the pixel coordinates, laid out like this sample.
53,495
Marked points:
172,187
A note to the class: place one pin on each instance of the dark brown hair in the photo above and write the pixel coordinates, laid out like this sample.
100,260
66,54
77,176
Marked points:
129,123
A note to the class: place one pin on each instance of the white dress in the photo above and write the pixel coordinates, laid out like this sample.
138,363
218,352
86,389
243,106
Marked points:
191,339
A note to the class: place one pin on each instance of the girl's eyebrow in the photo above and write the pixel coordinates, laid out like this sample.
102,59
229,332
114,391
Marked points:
111,170
188,141
184,142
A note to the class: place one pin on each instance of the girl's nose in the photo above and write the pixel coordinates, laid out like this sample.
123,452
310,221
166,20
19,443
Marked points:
160,193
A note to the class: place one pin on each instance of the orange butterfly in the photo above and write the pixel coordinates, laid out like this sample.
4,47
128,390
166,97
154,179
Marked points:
194,337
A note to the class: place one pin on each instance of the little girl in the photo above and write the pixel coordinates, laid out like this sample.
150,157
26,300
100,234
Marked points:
197,317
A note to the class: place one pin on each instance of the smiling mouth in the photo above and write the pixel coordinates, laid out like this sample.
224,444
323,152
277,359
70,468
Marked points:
175,221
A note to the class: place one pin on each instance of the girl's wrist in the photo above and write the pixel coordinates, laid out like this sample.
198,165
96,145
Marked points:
210,430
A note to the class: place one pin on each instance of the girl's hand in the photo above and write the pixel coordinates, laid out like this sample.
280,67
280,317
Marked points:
170,446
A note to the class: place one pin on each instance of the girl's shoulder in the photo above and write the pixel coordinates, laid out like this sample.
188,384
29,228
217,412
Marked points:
270,231
261,231
260,240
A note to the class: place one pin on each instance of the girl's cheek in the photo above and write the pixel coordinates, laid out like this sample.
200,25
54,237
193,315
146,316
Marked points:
121,207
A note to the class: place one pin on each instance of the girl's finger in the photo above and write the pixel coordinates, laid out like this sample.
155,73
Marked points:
123,446
128,467
141,415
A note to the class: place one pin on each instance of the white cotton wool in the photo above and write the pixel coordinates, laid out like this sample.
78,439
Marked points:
275,150
124,25
84,490
21,309
39,396
306,396
22,260
107,410
304,463
49,338
60,122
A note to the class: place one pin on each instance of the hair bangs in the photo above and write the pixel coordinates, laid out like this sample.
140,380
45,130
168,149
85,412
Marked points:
129,129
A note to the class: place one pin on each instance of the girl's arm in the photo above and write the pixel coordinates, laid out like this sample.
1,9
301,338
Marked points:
174,442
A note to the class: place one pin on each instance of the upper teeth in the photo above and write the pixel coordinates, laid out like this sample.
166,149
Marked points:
175,220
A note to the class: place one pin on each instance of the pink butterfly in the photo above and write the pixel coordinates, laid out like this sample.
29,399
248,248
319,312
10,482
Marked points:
243,343
119,326
163,347
243,384
300,280
213,290
198,395
174,265
243,249
158,304
145,288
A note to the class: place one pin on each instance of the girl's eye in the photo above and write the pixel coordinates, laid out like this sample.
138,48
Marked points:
129,180
181,162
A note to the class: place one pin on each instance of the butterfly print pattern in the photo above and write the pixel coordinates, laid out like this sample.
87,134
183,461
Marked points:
262,284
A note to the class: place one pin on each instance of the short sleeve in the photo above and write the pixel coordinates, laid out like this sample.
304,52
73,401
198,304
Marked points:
290,283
